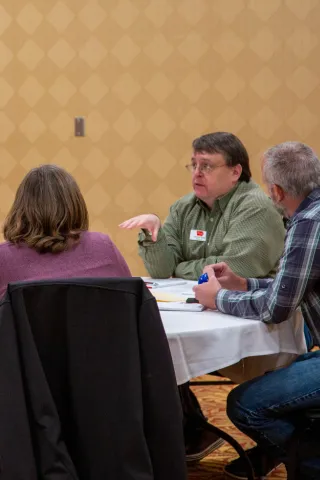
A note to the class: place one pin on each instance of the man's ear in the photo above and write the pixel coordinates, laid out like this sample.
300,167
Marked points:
237,170
279,192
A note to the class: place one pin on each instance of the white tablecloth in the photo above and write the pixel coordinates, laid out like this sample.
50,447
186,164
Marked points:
206,341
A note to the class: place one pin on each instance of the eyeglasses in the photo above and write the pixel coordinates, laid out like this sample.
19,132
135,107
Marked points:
205,168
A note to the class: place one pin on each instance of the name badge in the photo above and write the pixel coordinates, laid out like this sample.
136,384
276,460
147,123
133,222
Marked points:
199,235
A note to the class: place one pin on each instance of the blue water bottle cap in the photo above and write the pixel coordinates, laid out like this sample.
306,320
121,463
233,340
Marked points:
203,278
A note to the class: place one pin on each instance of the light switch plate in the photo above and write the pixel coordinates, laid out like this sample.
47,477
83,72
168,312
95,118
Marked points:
79,126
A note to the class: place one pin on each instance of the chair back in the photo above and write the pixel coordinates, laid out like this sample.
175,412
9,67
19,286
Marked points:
107,363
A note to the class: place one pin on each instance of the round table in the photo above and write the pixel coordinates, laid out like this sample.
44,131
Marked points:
203,342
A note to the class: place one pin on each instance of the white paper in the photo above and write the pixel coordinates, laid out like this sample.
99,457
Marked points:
181,306
159,283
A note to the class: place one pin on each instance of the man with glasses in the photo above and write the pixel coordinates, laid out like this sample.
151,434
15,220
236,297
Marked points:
227,218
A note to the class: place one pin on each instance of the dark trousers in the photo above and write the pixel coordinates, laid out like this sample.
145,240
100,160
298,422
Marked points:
191,412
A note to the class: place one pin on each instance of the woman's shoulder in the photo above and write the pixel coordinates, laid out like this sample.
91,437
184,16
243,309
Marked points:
100,245
9,252
8,247
96,238
5,244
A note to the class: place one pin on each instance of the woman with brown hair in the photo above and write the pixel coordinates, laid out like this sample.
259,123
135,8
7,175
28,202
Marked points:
46,233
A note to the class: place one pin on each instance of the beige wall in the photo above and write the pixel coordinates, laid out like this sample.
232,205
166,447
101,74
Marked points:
149,76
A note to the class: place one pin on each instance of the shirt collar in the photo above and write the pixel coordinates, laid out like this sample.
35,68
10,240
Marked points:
224,200
221,202
304,205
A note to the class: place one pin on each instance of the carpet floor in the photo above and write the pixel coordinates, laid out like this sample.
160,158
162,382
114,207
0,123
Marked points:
213,402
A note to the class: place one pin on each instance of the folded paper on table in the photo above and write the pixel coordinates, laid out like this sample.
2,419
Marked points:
167,297
181,306
162,283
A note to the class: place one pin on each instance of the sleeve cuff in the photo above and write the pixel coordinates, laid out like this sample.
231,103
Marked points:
144,236
253,283
145,239
219,299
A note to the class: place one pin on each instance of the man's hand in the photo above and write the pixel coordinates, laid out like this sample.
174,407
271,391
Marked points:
206,292
226,277
149,222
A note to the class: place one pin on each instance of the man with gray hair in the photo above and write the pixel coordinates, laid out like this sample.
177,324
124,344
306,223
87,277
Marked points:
269,408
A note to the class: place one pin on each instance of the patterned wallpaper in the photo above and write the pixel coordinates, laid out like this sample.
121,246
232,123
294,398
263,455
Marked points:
149,76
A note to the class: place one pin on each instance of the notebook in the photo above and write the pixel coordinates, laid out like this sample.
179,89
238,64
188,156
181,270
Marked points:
181,306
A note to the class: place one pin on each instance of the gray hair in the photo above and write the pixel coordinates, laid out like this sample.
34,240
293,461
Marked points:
294,166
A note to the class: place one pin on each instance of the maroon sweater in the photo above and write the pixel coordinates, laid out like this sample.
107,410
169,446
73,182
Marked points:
94,256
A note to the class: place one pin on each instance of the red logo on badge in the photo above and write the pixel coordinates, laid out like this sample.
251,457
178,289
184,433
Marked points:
199,233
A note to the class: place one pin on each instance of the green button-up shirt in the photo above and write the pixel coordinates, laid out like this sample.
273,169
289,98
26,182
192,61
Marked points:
242,229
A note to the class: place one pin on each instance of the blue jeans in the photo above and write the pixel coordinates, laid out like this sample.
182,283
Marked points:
267,408
308,336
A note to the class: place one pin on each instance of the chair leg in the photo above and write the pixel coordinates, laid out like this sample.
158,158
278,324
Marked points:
293,454
192,410
240,451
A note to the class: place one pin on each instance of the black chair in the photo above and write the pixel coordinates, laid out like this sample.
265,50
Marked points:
99,348
305,442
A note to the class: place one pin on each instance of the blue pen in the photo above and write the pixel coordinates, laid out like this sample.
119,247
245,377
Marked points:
203,278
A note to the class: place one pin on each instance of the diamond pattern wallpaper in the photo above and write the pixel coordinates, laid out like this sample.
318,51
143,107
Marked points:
149,76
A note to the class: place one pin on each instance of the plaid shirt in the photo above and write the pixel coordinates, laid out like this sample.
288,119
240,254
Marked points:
298,279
